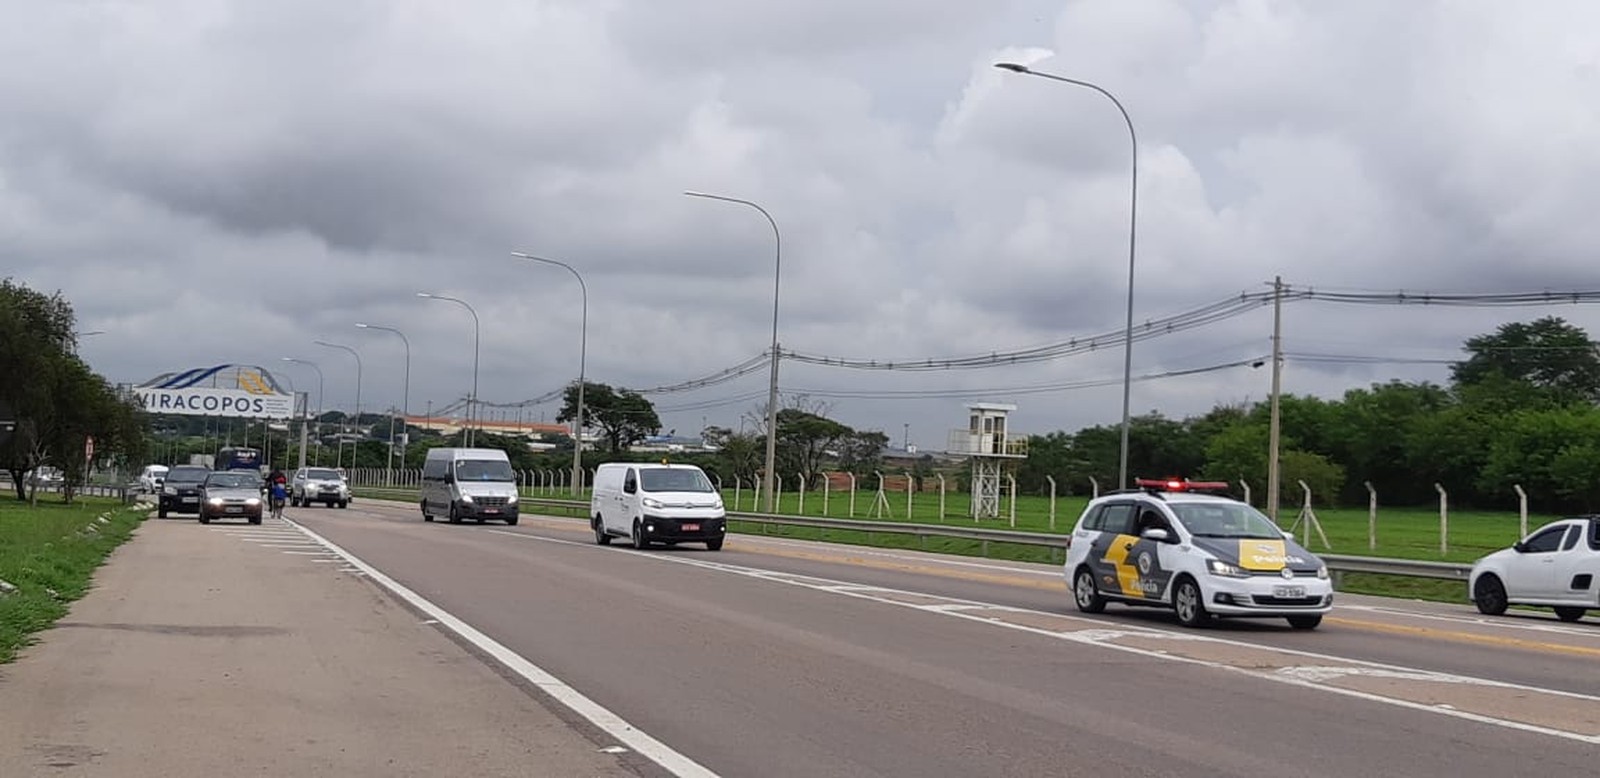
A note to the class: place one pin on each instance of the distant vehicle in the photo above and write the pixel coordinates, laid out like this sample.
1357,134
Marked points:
230,494
1167,544
151,479
238,459
318,484
180,492
469,483
1555,567
650,503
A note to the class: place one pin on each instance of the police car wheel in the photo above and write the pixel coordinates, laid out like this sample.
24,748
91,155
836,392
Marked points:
1190,604
1309,621
1085,594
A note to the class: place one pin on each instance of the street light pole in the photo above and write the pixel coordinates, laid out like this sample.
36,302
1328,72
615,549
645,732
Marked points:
313,366
405,402
471,435
772,388
583,356
355,448
1133,221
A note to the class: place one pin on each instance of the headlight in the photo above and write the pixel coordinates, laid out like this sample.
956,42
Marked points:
466,498
253,501
651,502
214,501
1219,567
718,505
168,490
1322,572
512,500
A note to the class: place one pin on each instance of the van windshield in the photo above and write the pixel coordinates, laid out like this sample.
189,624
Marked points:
483,470
674,479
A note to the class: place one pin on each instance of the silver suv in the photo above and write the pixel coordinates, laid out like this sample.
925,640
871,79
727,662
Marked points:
319,484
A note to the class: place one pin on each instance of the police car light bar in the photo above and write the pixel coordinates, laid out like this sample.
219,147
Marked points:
1180,485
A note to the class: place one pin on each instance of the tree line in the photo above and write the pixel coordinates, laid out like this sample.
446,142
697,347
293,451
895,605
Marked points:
1519,409
50,399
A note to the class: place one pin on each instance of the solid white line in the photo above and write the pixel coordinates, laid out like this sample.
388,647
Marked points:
656,751
306,553
1096,638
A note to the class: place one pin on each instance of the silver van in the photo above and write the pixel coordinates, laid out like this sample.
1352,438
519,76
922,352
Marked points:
469,483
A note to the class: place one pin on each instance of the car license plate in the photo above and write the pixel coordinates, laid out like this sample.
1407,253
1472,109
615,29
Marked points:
1289,591
491,510
234,509
191,499
691,528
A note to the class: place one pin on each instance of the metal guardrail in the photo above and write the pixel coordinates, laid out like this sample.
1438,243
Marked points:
1337,563
123,493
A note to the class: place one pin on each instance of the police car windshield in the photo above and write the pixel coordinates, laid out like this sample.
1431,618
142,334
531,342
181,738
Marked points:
1224,520
483,470
673,479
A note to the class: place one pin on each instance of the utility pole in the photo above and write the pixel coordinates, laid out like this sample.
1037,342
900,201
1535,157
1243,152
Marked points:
1277,385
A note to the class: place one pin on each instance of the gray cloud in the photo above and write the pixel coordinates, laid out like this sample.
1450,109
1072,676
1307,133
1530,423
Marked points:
227,182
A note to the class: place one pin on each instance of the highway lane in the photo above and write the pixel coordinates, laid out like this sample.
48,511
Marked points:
735,660
1529,648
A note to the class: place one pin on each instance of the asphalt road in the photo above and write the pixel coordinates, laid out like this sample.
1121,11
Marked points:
777,658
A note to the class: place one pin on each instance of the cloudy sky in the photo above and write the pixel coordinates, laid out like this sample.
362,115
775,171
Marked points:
218,181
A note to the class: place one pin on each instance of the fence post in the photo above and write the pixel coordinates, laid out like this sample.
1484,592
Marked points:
802,509
852,495
1052,481
1372,517
777,493
755,493
827,486
1096,485
1444,520
1246,485
941,496
911,486
1013,481
1522,510
738,489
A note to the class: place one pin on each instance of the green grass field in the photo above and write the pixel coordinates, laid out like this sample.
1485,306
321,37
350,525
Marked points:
49,553
1402,532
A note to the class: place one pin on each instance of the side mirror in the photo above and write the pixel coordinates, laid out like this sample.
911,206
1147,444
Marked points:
1519,547
630,488
1288,536
1157,534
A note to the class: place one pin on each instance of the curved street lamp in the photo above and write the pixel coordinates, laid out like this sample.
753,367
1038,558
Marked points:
772,388
583,349
405,402
313,366
471,436
1133,220
354,449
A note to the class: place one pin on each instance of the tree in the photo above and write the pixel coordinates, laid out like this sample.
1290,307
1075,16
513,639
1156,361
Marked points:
624,417
740,456
1555,358
804,438
862,451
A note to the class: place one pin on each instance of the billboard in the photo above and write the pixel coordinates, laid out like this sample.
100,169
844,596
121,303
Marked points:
240,391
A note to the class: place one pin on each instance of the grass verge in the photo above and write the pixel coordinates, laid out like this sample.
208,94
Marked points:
49,553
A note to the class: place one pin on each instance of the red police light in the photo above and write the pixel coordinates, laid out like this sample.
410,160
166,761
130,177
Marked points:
1180,485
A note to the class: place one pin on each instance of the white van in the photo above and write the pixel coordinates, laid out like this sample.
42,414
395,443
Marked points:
656,503
469,483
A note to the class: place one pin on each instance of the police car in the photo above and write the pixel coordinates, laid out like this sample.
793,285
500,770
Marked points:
1173,544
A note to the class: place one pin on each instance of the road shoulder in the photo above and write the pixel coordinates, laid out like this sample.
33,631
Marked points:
236,650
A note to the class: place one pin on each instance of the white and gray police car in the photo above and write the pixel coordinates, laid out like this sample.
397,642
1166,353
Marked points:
1169,544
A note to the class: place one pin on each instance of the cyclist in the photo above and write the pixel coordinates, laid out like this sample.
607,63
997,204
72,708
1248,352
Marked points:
278,494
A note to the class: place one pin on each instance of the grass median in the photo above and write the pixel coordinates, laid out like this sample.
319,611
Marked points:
48,554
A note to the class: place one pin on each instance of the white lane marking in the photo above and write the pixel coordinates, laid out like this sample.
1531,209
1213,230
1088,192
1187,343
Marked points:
306,553
906,557
1499,622
1101,638
612,724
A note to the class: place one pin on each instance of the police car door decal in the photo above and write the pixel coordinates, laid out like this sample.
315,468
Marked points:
1130,565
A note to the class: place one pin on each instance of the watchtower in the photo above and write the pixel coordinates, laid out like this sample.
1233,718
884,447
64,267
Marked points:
987,442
